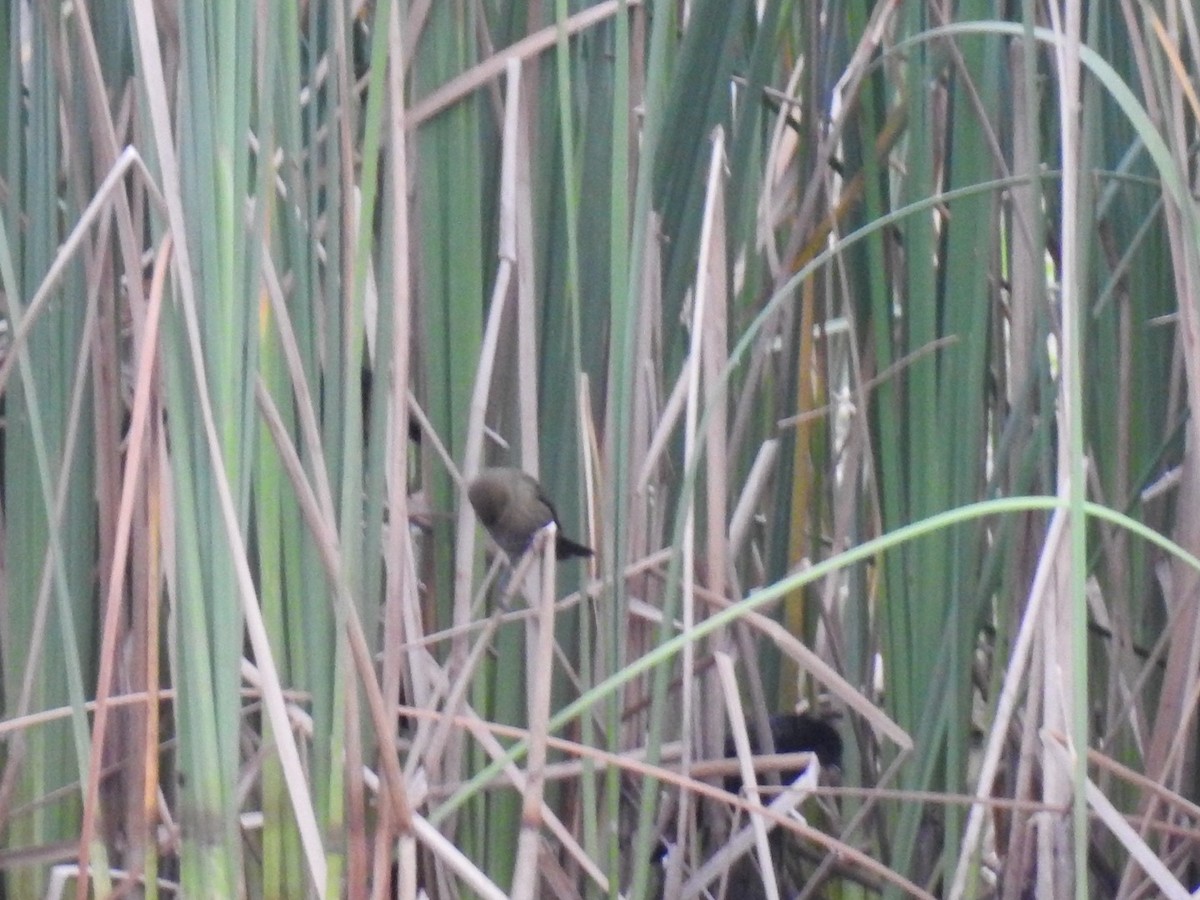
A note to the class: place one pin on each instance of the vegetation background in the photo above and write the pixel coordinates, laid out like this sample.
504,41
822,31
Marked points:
859,339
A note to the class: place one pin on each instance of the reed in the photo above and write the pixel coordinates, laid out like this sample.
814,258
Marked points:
857,339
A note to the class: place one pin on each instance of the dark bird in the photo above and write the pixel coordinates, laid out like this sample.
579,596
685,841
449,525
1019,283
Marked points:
794,733
512,507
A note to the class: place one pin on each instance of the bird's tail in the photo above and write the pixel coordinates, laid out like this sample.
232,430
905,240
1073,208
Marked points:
565,548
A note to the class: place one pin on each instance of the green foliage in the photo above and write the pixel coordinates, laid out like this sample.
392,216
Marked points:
867,380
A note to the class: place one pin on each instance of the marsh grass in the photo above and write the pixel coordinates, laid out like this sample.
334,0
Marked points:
857,339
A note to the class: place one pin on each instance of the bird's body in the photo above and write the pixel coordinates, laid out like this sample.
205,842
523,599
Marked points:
794,733
512,507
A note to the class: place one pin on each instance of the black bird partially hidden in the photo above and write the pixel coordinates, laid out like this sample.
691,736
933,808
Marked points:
793,733
512,507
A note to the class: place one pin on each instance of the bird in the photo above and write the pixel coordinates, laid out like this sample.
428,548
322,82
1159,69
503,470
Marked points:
794,733
512,507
